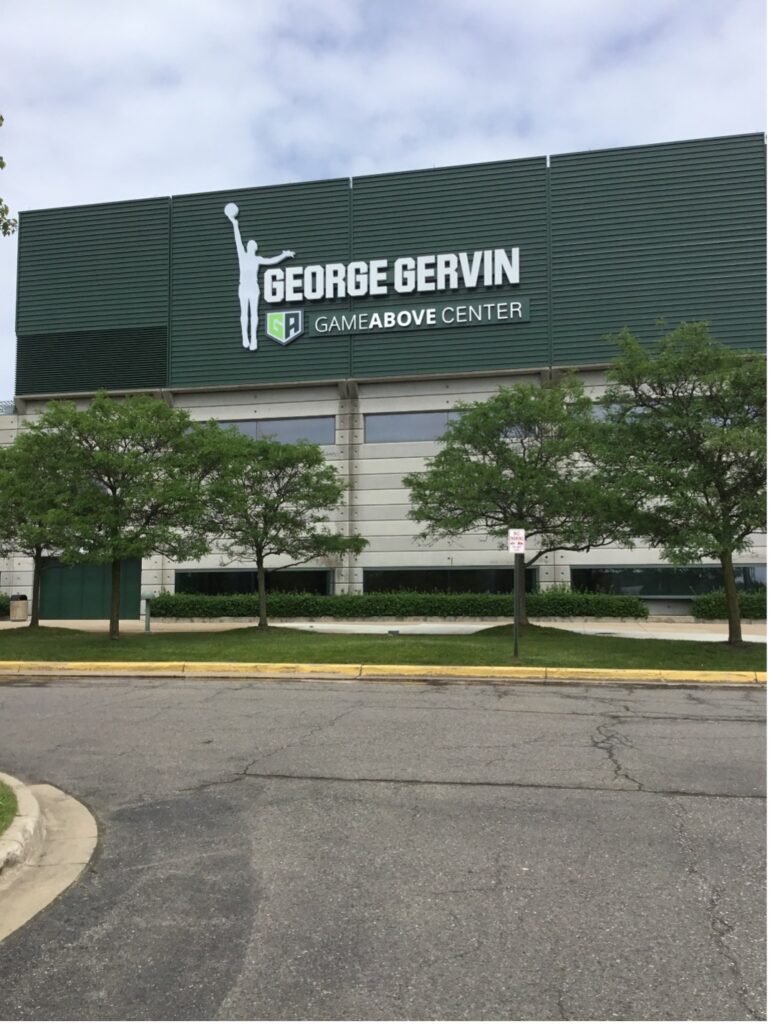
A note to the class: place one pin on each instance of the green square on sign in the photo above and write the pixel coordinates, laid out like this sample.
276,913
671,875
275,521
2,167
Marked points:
275,325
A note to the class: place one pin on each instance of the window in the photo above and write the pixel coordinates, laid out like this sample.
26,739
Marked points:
247,427
664,580
318,429
449,581
382,427
244,581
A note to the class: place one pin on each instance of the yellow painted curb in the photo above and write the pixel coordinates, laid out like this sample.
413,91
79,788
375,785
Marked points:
102,668
454,671
265,668
644,675
676,676
371,673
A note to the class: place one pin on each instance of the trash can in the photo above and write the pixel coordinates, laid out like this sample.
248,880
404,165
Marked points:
19,606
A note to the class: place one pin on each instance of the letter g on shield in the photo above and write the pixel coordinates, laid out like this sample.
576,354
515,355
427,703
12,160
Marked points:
284,327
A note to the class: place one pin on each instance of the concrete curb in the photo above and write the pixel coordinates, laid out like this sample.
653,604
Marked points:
51,865
23,838
375,673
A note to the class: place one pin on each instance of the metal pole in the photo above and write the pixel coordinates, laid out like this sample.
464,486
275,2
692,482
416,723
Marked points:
147,615
515,608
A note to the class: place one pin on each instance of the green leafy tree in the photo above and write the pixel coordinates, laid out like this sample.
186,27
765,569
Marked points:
134,471
273,500
7,223
518,460
685,442
32,486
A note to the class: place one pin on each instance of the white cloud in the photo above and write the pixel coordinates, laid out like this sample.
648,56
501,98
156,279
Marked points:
114,101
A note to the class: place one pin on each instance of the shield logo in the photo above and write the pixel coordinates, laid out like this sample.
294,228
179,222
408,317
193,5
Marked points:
286,326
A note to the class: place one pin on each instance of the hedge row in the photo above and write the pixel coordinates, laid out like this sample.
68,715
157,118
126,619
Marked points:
753,605
396,605
5,605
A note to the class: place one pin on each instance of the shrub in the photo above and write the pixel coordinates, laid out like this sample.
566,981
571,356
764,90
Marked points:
396,605
753,605
5,605
564,602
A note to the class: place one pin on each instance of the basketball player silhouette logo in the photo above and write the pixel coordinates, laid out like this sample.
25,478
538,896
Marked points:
249,263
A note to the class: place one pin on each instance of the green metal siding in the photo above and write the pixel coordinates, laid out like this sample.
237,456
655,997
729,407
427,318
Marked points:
206,350
92,299
673,232
131,295
68,361
455,209
83,591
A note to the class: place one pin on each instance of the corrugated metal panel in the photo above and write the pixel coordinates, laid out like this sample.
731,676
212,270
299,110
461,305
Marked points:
480,206
310,219
93,267
631,235
674,231
132,357
92,307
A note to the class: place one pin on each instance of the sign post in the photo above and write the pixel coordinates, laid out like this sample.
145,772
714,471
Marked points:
517,548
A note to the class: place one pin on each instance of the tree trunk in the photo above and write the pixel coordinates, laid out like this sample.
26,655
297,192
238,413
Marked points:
262,593
519,582
115,601
734,634
37,567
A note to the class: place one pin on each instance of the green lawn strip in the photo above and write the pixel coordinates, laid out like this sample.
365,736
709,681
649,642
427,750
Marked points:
7,806
540,646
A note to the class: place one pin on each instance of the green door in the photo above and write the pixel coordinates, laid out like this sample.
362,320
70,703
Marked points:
83,591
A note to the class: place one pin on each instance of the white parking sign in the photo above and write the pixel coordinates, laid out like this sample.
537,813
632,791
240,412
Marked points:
516,545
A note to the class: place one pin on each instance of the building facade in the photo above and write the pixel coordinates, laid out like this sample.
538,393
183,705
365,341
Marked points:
358,312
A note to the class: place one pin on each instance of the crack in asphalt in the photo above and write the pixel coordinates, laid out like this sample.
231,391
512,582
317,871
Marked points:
609,740
627,715
560,1004
719,926
247,772
475,784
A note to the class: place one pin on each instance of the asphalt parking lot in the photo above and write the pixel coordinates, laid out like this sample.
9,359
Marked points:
310,850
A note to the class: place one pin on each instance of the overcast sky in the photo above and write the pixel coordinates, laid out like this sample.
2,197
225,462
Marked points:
105,100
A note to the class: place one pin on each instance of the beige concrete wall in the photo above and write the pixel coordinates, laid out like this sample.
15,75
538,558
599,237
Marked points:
377,502
15,571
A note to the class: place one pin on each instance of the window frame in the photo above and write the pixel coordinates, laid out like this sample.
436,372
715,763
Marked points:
257,434
449,415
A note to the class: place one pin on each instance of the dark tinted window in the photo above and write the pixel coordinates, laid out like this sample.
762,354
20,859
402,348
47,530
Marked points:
406,426
451,581
244,581
247,427
664,580
318,429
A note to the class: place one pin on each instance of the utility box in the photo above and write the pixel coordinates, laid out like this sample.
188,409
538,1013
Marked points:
19,608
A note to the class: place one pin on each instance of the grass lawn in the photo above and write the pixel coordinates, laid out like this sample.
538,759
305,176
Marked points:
7,806
542,646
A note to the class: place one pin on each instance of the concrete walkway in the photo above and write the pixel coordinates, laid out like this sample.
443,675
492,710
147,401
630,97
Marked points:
684,630
756,632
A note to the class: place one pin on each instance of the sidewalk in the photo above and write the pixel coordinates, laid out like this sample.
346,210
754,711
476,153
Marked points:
686,630
756,632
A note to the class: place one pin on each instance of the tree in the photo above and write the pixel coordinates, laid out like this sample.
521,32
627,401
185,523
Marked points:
31,490
273,499
686,443
134,471
517,460
7,223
